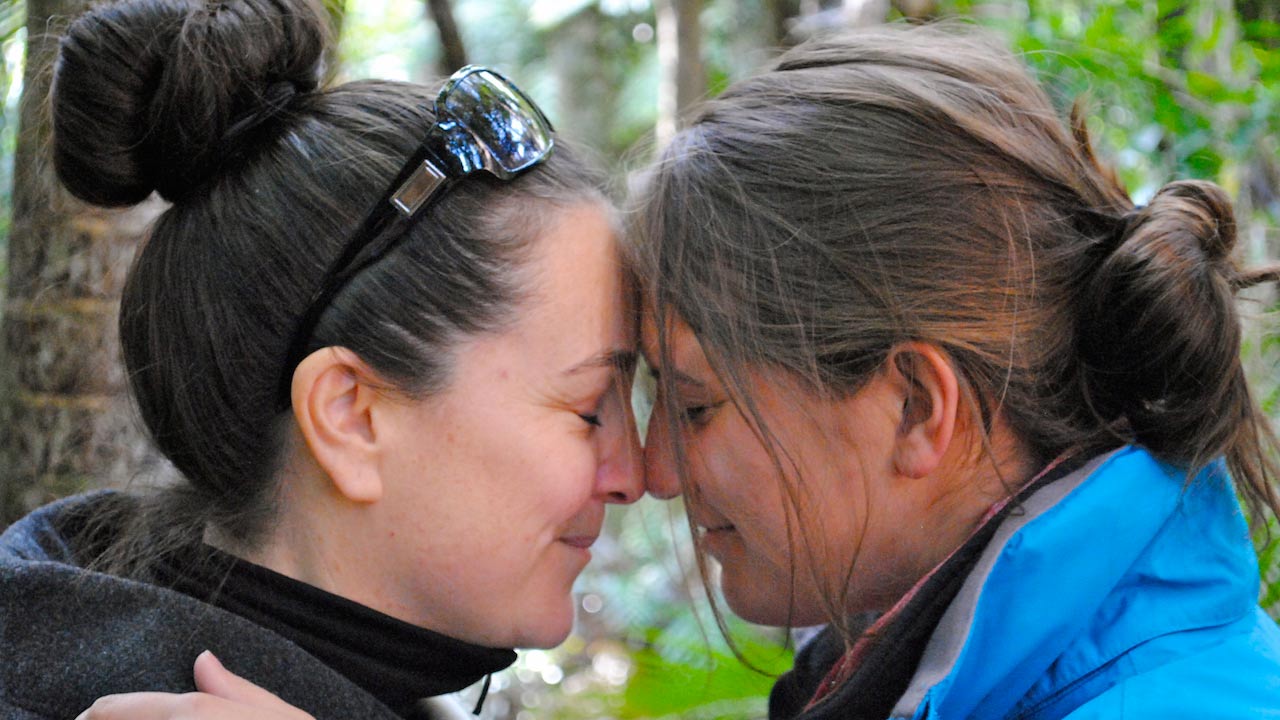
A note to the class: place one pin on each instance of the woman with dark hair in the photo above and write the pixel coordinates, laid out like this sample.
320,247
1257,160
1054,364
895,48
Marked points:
926,375
346,333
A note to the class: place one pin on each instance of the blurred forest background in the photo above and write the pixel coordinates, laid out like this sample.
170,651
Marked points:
1176,88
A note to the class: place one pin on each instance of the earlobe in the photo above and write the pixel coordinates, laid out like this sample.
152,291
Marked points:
332,404
930,401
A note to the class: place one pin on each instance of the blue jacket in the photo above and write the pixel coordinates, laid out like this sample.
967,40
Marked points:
1121,592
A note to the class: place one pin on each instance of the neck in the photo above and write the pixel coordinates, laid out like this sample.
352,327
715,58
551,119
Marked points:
973,478
300,543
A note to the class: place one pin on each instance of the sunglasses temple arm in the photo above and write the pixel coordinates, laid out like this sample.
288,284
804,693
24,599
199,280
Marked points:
368,243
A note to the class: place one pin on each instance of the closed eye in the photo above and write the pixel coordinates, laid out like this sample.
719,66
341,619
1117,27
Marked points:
698,415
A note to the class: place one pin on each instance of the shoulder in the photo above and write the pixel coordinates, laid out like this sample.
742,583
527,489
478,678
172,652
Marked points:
1120,581
1228,672
69,635
48,533
13,712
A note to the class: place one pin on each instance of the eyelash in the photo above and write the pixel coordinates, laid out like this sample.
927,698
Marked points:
593,420
697,415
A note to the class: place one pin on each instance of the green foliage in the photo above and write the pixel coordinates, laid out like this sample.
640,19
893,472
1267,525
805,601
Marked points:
683,679
385,39
1269,565
1184,91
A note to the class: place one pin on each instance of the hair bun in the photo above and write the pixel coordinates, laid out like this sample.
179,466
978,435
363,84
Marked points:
157,94
1160,335
1189,211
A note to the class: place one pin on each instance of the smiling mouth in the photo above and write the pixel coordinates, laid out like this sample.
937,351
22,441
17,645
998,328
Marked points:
715,530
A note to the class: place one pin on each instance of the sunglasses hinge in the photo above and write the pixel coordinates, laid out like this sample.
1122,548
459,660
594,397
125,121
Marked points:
418,189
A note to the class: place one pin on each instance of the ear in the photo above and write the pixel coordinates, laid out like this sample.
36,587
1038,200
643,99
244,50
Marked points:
930,395
332,403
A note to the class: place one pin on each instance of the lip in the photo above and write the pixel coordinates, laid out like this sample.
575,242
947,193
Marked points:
713,526
718,540
582,542
713,536
717,529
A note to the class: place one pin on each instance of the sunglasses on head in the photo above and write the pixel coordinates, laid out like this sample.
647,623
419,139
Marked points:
483,123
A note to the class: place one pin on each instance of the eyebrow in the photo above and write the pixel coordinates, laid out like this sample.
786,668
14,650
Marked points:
680,377
617,358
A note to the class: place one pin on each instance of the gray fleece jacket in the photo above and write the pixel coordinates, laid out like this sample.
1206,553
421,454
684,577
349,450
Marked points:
69,636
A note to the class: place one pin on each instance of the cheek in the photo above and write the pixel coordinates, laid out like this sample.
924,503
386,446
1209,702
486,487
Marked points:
557,474
742,484
734,472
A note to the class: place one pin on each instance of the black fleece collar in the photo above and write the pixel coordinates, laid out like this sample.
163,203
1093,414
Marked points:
394,661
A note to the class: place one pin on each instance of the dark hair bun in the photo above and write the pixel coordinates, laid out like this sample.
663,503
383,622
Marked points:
159,94
1191,211
1160,335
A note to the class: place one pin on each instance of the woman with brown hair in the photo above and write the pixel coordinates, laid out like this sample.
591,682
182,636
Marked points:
926,375
920,357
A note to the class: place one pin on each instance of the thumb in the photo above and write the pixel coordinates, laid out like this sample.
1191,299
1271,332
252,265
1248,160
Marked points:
214,679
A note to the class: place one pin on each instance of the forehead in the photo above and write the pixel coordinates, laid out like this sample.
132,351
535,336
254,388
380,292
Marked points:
578,296
676,330
686,353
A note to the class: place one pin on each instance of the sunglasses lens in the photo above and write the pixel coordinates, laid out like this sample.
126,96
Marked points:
501,118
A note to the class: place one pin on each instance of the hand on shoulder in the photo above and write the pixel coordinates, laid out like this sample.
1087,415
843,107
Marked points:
222,695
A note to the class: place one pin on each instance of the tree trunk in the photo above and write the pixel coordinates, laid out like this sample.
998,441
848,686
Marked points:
683,78
68,422
779,14
587,80
756,34
453,54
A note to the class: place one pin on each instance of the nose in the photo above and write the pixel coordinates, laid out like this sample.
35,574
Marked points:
618,477
660,476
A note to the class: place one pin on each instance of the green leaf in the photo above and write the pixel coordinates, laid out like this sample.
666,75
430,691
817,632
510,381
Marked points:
717,685
1205,85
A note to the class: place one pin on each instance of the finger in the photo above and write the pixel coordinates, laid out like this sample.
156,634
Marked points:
137,706
213,678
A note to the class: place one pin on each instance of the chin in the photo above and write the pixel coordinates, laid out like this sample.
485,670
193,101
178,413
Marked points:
768,603
546,631
754,603
545,641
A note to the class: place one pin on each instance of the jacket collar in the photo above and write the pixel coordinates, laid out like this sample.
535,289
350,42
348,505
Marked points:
1081,576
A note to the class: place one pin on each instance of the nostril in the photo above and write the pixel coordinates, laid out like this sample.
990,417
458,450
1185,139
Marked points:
623,498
